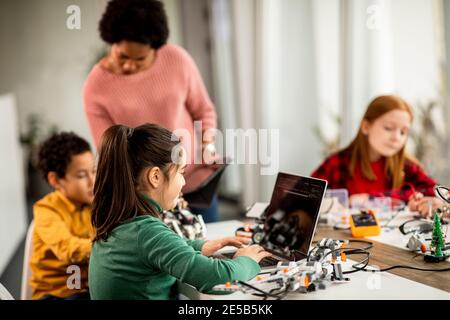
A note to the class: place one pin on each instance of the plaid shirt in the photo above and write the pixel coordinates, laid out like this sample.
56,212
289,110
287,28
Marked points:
335,169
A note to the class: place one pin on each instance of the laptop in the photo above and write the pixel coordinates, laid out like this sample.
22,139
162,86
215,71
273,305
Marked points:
291,218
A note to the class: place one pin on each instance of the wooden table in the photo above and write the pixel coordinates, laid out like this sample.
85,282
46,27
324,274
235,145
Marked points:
397,284
384,255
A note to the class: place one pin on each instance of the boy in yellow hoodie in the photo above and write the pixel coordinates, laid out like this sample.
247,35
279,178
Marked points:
63,232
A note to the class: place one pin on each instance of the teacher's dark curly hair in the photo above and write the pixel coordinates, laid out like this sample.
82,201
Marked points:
142,21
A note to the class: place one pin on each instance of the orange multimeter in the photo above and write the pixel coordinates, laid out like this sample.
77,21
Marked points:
364,224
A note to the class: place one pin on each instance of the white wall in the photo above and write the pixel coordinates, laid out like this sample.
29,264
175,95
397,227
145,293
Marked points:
389,47
416,65
12,188
287,84
326,40
45,64
174,14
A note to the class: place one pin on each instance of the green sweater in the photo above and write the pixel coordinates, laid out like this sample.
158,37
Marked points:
143,258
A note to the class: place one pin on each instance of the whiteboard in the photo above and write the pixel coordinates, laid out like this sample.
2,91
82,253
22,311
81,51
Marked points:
13,219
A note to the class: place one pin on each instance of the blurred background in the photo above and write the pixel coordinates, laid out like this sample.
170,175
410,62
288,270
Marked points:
306,67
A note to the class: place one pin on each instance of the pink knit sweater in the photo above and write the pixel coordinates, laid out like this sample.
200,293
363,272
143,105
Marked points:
170,93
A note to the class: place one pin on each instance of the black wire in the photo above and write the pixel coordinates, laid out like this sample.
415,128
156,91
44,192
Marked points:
283,294
365,261
280,295
421,227
348,251
406,267
265,293
336,227
442,196
352,251
369,246
355,251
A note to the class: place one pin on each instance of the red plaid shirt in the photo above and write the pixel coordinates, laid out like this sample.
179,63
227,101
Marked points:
335,169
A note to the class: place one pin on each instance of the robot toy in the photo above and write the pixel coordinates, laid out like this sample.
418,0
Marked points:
185,223
315,273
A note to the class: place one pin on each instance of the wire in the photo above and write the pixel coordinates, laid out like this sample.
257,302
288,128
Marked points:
440,194
368,247
283,294
265,293
336,227
280,295
369,244
406,267
425,226
365,261
350,251
359,266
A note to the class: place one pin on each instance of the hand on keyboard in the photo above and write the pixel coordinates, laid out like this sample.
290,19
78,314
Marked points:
212,246
254,252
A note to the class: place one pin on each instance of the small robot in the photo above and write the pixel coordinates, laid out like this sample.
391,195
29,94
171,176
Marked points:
185,223
255,232
315,273
331,253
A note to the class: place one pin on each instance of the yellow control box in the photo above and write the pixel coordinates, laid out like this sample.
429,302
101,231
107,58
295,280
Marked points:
364,224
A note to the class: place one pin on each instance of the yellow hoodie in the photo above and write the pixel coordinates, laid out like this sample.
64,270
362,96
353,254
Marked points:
62,238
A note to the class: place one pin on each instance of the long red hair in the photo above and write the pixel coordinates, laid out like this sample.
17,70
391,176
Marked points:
359,147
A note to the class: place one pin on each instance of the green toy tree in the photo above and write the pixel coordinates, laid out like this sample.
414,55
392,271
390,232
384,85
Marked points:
437,242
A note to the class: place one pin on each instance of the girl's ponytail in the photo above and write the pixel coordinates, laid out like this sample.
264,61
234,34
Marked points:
123,155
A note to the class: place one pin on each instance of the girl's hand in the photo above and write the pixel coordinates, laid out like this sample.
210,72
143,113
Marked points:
428,205
254,252
211,246
414,201
359,199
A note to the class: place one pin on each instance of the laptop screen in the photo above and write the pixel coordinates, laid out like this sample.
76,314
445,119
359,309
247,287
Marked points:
292,215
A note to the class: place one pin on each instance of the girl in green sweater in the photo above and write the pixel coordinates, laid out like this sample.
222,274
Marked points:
135,255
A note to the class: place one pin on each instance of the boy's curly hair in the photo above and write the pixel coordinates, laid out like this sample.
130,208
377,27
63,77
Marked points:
142,21
56,152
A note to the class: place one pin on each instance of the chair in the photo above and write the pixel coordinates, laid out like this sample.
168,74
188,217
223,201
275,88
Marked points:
26,290
4,294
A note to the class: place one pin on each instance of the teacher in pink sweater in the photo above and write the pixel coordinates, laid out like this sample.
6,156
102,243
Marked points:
144,80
